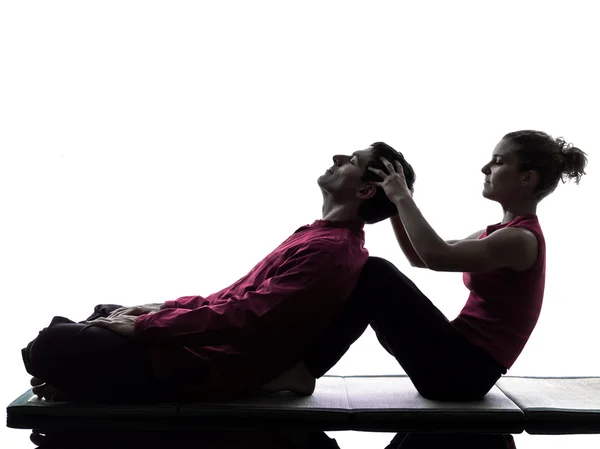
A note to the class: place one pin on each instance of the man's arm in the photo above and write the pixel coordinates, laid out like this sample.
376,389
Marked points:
309,274
186,302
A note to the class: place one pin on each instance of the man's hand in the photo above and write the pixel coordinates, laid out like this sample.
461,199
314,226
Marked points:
394,185
123,324
137,310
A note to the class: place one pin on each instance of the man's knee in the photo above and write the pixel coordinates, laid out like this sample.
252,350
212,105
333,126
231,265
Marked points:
33,359
42,356
38,354
26,355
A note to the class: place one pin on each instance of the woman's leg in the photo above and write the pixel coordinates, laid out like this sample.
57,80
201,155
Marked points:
441,363
449,440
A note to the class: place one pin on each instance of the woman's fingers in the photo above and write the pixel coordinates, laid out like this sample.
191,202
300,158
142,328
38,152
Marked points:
387,164
377,172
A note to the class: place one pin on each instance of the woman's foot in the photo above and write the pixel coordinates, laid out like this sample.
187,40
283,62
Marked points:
46,391
297,380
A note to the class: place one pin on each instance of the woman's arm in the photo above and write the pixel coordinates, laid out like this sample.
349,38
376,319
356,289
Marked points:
407,247
473,236
511,247
405,244
506,248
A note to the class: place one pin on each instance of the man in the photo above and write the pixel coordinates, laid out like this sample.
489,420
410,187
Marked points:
237,340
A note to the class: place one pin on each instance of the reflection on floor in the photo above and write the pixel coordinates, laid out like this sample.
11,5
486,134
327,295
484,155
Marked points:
254,439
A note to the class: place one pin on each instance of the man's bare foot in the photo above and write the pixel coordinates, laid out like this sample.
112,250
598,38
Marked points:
46,391
297,380
35,381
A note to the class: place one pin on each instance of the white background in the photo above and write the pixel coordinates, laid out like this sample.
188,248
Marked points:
151,150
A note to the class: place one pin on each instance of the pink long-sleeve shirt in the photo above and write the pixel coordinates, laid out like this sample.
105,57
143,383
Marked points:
253,330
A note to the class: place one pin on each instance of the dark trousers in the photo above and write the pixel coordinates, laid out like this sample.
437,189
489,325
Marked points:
441,363
92,362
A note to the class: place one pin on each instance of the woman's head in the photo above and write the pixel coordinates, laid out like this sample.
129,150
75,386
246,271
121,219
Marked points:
529,164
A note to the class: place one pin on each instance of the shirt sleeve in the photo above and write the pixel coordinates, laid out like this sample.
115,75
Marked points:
305,276
186,302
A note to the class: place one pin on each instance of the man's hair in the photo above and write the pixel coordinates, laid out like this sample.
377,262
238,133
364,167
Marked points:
552,159
379,207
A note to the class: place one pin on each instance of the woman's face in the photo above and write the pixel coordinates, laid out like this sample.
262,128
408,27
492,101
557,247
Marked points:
503,181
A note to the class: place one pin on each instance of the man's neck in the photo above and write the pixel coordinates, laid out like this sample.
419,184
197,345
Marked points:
340,212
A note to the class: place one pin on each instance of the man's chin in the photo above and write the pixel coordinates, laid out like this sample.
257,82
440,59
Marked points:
322,180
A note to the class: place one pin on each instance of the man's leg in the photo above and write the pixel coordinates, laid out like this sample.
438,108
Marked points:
45,390
101,311
89,362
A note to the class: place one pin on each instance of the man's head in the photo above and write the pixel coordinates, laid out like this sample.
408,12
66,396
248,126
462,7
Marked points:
348,181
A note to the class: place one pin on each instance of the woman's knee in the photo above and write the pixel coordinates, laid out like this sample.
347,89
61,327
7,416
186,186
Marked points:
380,271
380,265
388,288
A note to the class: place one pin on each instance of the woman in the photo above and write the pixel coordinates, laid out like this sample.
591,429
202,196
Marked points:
503,266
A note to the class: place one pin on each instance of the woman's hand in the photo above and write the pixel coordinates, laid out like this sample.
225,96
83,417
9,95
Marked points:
394,184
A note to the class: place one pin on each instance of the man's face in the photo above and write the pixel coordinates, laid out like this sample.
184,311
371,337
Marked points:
343,178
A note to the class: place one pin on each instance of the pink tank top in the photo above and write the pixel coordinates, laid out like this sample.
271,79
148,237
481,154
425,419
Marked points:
504,305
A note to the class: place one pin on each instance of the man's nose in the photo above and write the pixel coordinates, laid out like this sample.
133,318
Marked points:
338,159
